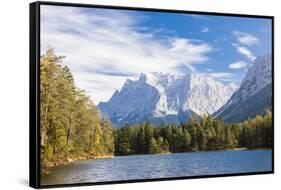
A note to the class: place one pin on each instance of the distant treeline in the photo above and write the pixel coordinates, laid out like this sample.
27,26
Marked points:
70,124
71,127
201,134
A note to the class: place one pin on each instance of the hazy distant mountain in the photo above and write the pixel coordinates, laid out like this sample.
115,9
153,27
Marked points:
254,95
158,97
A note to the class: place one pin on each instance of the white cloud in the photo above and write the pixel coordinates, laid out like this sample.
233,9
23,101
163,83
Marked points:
238,65
209,70
220,75
104,48
201,17
245,38
226,77
205,29
188,52
244,51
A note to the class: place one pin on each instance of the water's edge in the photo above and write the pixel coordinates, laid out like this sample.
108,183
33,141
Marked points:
153,166
69,161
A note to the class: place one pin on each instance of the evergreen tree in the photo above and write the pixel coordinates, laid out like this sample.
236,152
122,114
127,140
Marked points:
153,146
70,126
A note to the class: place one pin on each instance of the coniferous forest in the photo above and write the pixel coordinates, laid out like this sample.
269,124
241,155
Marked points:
70,124
72,128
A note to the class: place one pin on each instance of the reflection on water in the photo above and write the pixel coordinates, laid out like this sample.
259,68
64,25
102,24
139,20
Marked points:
160,166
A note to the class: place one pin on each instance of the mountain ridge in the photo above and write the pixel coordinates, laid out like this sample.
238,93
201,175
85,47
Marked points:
254,95
160,97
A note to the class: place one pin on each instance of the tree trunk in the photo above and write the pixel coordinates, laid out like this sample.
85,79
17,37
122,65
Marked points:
69,129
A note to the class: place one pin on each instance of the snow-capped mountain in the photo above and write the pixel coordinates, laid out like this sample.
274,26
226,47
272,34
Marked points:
159,97
254,95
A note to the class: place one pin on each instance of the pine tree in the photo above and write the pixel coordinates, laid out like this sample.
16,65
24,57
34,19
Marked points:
153,146
69,121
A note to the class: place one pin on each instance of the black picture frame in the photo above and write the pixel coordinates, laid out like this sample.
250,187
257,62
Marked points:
34,92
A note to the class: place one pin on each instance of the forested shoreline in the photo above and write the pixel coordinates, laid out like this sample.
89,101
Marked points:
72,129
204,134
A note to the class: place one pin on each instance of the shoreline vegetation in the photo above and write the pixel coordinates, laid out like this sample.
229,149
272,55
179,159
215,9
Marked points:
72,128
70,123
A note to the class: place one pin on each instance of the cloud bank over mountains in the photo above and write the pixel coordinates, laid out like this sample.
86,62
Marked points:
104,47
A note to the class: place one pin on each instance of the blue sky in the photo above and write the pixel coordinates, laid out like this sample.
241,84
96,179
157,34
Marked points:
103,47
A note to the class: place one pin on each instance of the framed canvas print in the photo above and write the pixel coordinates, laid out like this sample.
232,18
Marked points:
121,94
